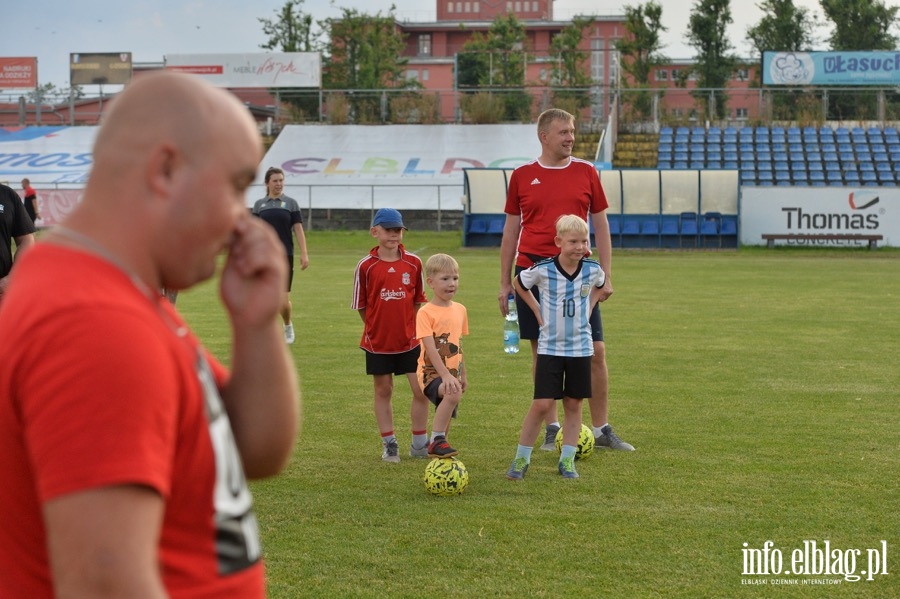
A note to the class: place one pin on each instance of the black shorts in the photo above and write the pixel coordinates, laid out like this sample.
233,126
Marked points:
431,392
290,280
402,363
558,376
528,326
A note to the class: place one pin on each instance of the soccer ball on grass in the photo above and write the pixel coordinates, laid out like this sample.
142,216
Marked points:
585,442
446,476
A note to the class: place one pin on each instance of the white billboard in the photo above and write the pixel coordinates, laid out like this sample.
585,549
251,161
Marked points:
819,210
286,69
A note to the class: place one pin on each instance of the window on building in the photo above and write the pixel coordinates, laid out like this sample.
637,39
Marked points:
518,6
459,7
662,75
450,7
468,7
598,60
475,7
424,74
424,44
412,75
742,74
509,7
741,114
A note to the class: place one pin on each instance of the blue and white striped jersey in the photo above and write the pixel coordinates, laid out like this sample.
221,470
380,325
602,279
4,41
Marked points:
565,306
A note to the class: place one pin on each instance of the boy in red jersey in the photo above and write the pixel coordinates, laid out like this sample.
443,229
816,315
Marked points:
388,289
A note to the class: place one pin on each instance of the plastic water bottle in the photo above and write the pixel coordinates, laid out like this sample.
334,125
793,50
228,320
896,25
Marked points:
511,328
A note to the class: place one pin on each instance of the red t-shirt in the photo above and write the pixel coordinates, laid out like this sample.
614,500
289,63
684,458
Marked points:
541,194
101,386
389,292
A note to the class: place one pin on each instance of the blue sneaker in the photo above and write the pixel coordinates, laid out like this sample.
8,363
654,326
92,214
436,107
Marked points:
567,468
517,469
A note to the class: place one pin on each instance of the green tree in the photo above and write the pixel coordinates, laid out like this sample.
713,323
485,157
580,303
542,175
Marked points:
497,60
570,72
785,27
365,54
861,24
292,31
50,94
640,51
858,25
715,61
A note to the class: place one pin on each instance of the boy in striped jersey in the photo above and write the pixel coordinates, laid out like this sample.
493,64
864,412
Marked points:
570,286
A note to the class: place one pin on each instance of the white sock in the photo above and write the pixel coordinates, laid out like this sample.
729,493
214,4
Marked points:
556,424
598,430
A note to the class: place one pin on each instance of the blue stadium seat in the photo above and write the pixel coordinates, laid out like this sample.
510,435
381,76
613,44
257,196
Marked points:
810,133
748,177
815,176
650,227
868,176
815,165
729,165
832,176
478,225
886,177
781,165
729,225
666,131
496,225
669,227
866,167
851,176
779,156
828,147
880,156
846,157
631,227
782,176
615,223
764,177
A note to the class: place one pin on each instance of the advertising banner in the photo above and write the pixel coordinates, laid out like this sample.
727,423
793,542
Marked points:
821,210
18,72
831,68
288,69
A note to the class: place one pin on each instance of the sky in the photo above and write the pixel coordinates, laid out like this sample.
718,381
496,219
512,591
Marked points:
150,29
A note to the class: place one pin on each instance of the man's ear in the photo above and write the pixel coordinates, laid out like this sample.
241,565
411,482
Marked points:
160,168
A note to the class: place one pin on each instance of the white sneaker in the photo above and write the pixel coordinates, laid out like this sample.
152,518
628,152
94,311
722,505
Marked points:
289,333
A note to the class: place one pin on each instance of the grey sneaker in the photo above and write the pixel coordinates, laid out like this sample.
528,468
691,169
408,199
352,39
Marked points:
550,438
610,440
391,452
567,468
517,469
418,453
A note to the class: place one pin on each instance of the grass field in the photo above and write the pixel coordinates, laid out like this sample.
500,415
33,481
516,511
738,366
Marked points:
760,388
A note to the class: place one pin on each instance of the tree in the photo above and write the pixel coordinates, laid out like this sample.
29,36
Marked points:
715,62
49,93
365,53
858,25
640,51
861,24
292,31
785,27
497,60
569,72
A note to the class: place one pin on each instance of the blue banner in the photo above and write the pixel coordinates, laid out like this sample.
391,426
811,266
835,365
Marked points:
831,68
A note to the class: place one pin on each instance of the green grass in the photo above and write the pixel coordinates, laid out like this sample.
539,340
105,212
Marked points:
759,387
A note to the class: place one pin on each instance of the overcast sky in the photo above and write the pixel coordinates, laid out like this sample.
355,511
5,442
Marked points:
52,29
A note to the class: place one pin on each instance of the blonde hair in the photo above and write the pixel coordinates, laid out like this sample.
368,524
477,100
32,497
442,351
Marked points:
550,115
440,263
570,223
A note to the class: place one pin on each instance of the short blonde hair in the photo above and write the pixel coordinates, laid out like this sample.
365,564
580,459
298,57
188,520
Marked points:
550,115
440,263
571,223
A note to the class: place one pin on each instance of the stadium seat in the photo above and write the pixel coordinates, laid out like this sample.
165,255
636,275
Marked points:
781,176
851,176
614,224
496,226
748,177
478,225
779,156
815,176
866,166
781,165
764,177
650,227
868,176
834,176
885,176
